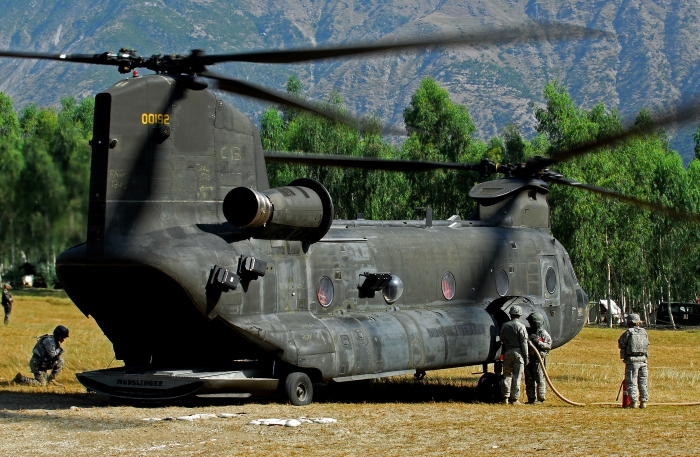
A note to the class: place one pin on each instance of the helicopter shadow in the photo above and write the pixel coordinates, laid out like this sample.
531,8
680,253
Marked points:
397,391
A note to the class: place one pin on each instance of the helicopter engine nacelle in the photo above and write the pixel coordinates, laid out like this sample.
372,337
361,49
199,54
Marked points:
300,211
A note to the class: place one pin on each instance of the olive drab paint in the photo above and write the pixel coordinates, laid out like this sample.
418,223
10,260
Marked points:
302,291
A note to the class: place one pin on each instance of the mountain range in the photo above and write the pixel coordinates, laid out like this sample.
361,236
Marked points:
648,59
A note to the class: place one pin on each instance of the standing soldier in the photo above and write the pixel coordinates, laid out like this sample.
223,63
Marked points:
46,356
634,344
514,339
7,302
535,384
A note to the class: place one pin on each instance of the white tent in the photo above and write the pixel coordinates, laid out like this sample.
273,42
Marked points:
614,308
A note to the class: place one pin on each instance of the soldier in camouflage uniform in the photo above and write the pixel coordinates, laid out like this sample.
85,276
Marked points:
634,344
7,302
535,383
515,355
46,356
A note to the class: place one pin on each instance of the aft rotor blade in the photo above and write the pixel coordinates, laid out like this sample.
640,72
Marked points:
79,58
236,86
671,212
688,112
501,35
365,163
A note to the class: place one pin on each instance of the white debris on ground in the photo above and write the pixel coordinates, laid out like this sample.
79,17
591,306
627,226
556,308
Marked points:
294,422
269,422
193,417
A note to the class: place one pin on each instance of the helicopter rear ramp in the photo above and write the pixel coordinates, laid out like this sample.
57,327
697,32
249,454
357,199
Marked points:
146,383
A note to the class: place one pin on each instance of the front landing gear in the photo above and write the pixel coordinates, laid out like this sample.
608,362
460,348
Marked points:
299,389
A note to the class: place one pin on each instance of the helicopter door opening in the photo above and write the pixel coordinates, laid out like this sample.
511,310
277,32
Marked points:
549,276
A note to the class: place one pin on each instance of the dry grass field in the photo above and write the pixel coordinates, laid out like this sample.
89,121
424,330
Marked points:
394,417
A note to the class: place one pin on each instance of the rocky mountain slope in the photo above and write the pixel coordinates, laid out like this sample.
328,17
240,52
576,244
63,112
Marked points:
651,60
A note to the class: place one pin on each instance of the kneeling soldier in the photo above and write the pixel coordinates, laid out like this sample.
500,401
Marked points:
46,356
535,384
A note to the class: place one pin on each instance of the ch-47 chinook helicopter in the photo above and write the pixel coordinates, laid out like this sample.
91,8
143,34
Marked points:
209,283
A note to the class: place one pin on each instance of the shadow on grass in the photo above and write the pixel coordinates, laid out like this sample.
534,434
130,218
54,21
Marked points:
50,401
400,390
393,391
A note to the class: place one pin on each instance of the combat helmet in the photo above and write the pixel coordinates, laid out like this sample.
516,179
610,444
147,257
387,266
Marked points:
60,332
535,320
633,319
515,310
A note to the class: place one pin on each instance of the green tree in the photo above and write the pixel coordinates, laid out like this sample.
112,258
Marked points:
440,131
514,144
353,191
11,164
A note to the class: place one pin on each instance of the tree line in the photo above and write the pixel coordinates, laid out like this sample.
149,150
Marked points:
632,254
44,178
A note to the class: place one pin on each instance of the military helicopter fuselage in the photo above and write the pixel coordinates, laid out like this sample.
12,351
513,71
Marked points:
192,261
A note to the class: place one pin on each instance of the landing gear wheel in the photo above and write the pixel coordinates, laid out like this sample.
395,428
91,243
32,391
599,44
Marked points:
299,389
419,375
488,390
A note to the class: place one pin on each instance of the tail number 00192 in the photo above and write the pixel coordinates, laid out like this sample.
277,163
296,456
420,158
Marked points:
151,118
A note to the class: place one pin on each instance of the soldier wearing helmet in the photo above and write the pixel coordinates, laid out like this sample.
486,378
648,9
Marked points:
7,302
634,344
535,384
515,355
46,356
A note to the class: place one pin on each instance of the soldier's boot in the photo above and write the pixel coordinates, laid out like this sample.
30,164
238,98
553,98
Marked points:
7,320
21,379
52,380
515,402
504,401
642,405
632,404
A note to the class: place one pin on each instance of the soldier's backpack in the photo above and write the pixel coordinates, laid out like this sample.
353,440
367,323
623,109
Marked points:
638,342
39,349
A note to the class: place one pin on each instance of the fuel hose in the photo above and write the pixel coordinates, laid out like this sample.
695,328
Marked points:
549,381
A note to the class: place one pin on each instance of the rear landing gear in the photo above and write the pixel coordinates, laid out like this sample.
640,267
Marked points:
299,389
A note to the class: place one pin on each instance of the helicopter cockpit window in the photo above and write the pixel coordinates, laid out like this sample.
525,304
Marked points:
393,290
449,285
550,280
324,291
567,261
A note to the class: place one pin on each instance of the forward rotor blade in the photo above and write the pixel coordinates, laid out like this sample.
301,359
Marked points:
365,163
671,212
501,35
236,86
688,112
